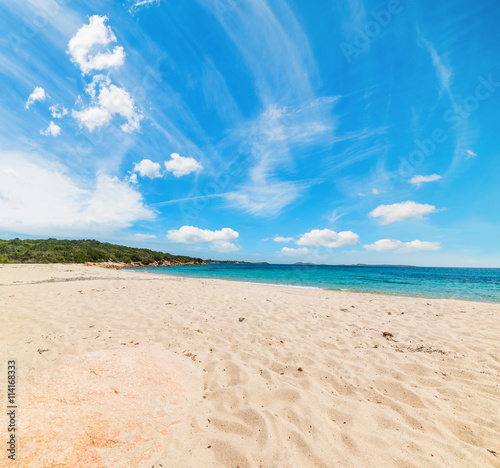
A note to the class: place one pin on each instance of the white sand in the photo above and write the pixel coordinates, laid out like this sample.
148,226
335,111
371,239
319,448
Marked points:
118,368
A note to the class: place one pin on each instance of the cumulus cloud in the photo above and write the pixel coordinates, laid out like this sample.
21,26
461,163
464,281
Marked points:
292,252
147,168
57,111
394,245
83,45
470,154
282,239
38,94
401,211
38,197
180,166
418,180
53,130
328,238
221,240
108,100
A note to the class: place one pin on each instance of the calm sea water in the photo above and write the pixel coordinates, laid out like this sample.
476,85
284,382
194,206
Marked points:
478,284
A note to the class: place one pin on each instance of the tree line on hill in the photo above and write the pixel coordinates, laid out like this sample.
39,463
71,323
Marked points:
82,251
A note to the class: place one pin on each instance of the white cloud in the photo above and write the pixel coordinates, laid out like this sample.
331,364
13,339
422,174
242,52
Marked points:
336,214
58,111
144,236
401,211
53,130
182,166
147,168
87,39
292,252
138,4
38,197
226,247
38,94
418,180
282,239
221,240
375,191
267,199
110,100
394,245
443,71
133,178
470,154
272,143
328,238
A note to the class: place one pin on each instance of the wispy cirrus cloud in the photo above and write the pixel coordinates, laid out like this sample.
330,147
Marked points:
270,143
444,71
282,41
419,180
136,5
268,198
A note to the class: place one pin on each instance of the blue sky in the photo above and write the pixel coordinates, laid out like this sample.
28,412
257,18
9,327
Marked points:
326,132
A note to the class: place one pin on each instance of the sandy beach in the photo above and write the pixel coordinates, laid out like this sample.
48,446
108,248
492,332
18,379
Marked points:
117,368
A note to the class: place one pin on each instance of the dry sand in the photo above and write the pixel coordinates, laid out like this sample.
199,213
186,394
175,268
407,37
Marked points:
123,369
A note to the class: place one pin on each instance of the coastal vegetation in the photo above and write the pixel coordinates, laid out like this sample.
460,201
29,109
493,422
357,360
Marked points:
83,251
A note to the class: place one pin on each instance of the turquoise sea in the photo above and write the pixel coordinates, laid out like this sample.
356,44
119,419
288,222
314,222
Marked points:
476,284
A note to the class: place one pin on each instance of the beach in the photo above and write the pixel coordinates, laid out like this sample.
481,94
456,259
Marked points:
122,368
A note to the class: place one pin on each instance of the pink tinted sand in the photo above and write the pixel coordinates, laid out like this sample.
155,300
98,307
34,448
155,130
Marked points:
104,408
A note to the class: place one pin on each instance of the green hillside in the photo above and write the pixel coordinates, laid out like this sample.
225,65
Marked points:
80,251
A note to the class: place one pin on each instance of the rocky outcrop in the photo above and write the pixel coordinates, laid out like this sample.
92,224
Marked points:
161,263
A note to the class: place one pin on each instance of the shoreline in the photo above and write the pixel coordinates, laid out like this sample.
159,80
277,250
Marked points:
293,286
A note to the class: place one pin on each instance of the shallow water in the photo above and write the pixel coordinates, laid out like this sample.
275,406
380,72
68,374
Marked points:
478,284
